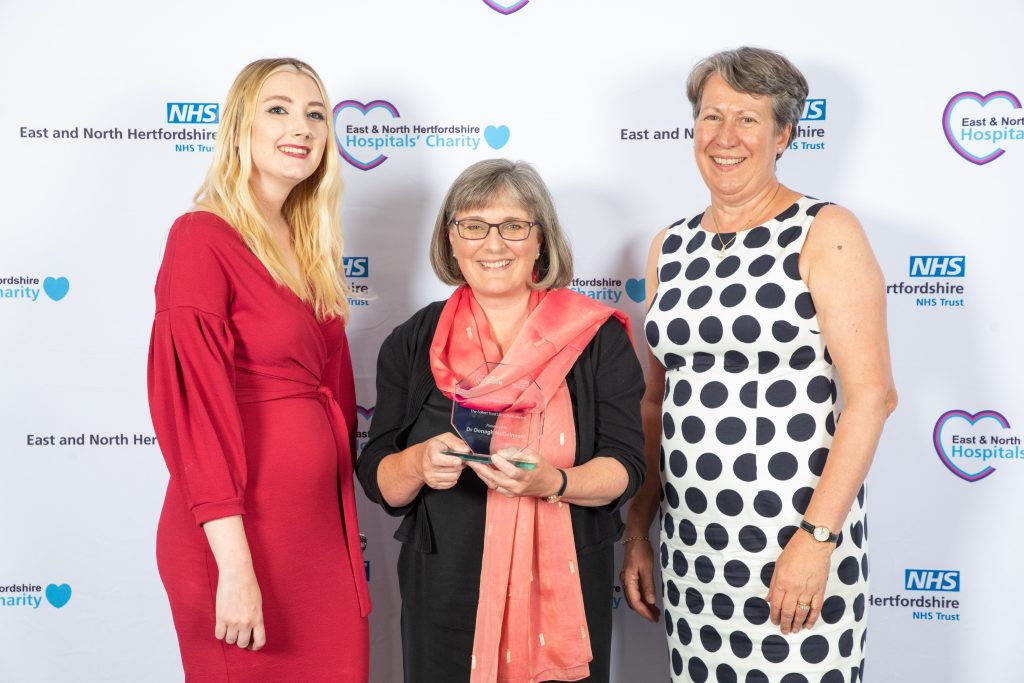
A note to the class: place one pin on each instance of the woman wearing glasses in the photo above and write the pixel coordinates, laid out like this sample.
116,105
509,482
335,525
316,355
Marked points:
505,569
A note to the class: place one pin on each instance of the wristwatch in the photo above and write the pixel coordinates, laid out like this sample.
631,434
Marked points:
821,534
554,498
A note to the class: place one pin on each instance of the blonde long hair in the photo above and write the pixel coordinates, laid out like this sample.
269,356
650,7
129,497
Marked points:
312,209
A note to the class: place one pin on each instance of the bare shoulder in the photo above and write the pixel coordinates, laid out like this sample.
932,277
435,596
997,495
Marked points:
833,225
835,244
659,239
836,232
651,272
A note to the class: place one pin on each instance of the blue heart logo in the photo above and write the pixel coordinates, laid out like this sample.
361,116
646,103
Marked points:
636,289
496,136
58,596
56,287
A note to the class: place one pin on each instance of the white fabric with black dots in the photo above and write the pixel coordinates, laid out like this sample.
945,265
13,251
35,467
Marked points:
747,419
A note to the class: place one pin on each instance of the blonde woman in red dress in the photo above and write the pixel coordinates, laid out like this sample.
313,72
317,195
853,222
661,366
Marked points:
252,398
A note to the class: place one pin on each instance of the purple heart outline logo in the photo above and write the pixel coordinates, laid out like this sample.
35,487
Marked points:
970,419
365,413
506,9
364,109
982,100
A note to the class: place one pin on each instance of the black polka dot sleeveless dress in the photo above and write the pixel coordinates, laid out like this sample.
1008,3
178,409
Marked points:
747,419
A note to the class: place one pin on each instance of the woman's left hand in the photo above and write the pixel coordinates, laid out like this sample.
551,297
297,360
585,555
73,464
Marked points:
511,481
799,579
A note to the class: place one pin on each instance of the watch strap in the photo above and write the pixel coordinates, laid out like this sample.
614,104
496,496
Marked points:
561,489
811,529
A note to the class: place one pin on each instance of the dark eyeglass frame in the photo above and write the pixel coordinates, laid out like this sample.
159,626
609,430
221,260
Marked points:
529,228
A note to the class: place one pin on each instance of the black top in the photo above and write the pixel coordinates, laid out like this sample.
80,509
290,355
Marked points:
443,531
605,384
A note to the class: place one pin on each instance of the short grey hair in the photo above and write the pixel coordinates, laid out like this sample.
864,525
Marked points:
486,182
754,71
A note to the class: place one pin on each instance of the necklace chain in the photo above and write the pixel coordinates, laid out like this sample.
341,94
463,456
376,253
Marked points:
758,212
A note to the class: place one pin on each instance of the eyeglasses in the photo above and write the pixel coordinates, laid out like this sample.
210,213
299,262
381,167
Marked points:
513,231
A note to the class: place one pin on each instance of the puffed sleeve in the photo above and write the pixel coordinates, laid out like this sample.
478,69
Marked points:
618,388
191,374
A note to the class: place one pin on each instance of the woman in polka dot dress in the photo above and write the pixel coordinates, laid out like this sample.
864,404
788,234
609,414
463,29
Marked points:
763,545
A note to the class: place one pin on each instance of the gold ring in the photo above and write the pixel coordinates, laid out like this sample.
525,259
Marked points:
804,606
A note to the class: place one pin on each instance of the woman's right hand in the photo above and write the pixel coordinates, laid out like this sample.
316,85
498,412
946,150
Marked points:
638,579
437,469
240,609
239,604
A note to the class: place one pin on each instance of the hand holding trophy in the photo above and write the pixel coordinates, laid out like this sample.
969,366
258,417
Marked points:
495,411
491,414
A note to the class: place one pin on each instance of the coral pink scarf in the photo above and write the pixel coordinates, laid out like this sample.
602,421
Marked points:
530,622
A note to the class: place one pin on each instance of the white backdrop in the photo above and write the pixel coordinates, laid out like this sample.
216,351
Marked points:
904,144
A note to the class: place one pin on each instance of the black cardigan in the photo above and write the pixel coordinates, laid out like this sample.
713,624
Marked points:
606,384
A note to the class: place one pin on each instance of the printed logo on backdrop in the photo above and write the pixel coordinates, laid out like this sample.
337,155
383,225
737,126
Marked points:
939,603
971,445
931,284
978,127
118,439
368,134
810,134
192,128
193,112
29,288
357,272
607,290
364,415
32,596
506,8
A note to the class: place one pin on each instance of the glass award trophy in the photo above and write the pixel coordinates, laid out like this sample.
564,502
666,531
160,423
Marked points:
485,415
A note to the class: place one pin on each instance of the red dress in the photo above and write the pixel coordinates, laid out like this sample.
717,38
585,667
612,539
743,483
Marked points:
254,408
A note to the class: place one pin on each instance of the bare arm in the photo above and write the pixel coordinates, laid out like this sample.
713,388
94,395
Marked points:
849,294
401,475
638,557
846,284
596,482
239,603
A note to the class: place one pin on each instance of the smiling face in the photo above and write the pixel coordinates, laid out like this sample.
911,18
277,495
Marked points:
493,267
736,141
289,132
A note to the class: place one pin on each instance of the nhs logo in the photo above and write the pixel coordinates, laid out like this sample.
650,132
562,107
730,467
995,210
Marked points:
933,580
814,110
938,266
357,266
193,112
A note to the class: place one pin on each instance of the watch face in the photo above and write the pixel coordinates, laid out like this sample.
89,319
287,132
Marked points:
821,533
